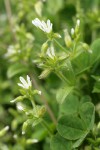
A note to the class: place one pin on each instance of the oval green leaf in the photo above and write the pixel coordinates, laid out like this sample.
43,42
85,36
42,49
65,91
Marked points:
59,143
16,69
62,93
70,105
87,113
71,127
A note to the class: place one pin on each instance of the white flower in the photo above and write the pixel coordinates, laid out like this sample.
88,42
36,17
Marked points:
46,27
25,84
51,52
10,51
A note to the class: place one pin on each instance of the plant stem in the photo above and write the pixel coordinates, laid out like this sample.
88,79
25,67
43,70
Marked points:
62,77
9,16
44,123
50,112
33,104
60,45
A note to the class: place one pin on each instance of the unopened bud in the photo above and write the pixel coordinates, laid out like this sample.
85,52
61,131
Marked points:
39,111
42,111
26,124
38,7
4,131
24,127
30,141
56,35
94,130
45,73
18,99
30,36
44,47
78,22
37,92
77,27
67,39
72,32
86,47
14,124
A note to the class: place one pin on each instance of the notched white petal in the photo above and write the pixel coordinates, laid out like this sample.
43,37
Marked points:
21,85
25,83
46,27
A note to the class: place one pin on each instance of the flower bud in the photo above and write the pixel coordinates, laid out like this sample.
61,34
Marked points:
24,127
86,47
72,32
30,36
38,7
67,39
56,35
44,47
45,73
18,99
14,124
4,131
78,22
42,111
94,130
77,27
26,124
30,141
36,92
39,111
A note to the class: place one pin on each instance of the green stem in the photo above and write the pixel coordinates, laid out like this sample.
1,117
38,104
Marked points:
62,77
44,123
9,17
33,104
45,101
74,48
32,101
60,45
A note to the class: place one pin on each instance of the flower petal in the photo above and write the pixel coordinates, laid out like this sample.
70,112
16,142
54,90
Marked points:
23,81
29,81
21,85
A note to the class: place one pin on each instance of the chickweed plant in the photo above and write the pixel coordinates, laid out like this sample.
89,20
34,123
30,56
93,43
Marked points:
50,76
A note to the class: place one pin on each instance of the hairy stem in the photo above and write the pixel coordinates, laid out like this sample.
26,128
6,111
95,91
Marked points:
9,16
60,45
47,127
50,112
